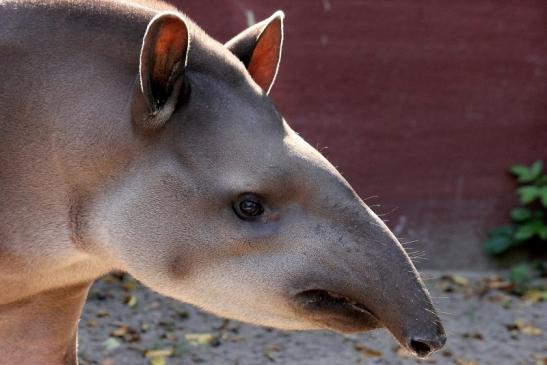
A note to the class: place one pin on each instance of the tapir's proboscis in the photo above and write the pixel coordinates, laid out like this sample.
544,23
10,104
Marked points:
131,140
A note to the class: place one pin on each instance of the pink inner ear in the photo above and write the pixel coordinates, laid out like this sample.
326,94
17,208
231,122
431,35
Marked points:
169,49
265,58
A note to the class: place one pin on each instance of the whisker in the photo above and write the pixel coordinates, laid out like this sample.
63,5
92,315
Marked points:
404,243
391,211
446,313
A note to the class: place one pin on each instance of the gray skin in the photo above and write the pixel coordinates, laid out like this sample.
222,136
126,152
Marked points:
131,140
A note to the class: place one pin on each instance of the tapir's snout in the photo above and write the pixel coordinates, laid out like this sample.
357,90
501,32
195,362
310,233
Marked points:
418,329
424,344
367,281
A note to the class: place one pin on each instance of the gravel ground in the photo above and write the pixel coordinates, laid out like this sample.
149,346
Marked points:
124,323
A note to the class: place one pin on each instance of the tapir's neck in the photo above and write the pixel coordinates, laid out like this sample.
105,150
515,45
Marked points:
42,329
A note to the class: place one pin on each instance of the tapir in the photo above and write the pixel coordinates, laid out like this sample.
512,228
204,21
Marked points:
131,140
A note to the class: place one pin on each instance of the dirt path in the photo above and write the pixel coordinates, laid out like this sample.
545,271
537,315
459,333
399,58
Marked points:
123,322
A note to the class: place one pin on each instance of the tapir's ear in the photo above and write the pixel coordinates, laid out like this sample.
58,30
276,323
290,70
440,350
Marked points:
259,48
163,61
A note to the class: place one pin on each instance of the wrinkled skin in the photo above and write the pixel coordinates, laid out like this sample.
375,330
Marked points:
148,177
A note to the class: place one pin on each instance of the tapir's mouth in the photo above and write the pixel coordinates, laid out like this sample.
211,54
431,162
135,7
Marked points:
335,311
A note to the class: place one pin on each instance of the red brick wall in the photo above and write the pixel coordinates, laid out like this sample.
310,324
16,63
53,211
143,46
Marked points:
422,103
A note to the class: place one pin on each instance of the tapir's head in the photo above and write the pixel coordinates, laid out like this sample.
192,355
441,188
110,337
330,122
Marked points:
227,208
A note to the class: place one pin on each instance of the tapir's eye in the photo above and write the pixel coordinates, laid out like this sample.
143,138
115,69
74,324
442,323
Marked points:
248,207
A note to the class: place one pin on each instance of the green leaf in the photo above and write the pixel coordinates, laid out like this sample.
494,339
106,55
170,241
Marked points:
535,169
521,275
524,232
521,214
522,173
542,232
111,344
521,272
498,244
528,230
526,174
528,193
501,231
543,196
542,180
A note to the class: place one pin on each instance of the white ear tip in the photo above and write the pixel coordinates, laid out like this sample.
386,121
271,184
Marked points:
167,14
279,14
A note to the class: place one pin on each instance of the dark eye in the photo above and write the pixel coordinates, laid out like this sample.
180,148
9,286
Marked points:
248,207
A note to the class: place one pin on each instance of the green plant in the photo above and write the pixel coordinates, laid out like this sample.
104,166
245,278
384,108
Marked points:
529,225
521,276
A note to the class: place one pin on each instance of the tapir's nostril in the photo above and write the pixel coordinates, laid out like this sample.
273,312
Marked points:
423,348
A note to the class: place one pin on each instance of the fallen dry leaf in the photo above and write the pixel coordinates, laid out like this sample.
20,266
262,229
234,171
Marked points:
366,351
531,330
130,285
199,338
159,360
119,332
131,301
534,296
454,282
495,282
474,336
168,351
103,313
459,280
270,349
524,328
127,333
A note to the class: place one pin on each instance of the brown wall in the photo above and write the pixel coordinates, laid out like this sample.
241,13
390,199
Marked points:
421,103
